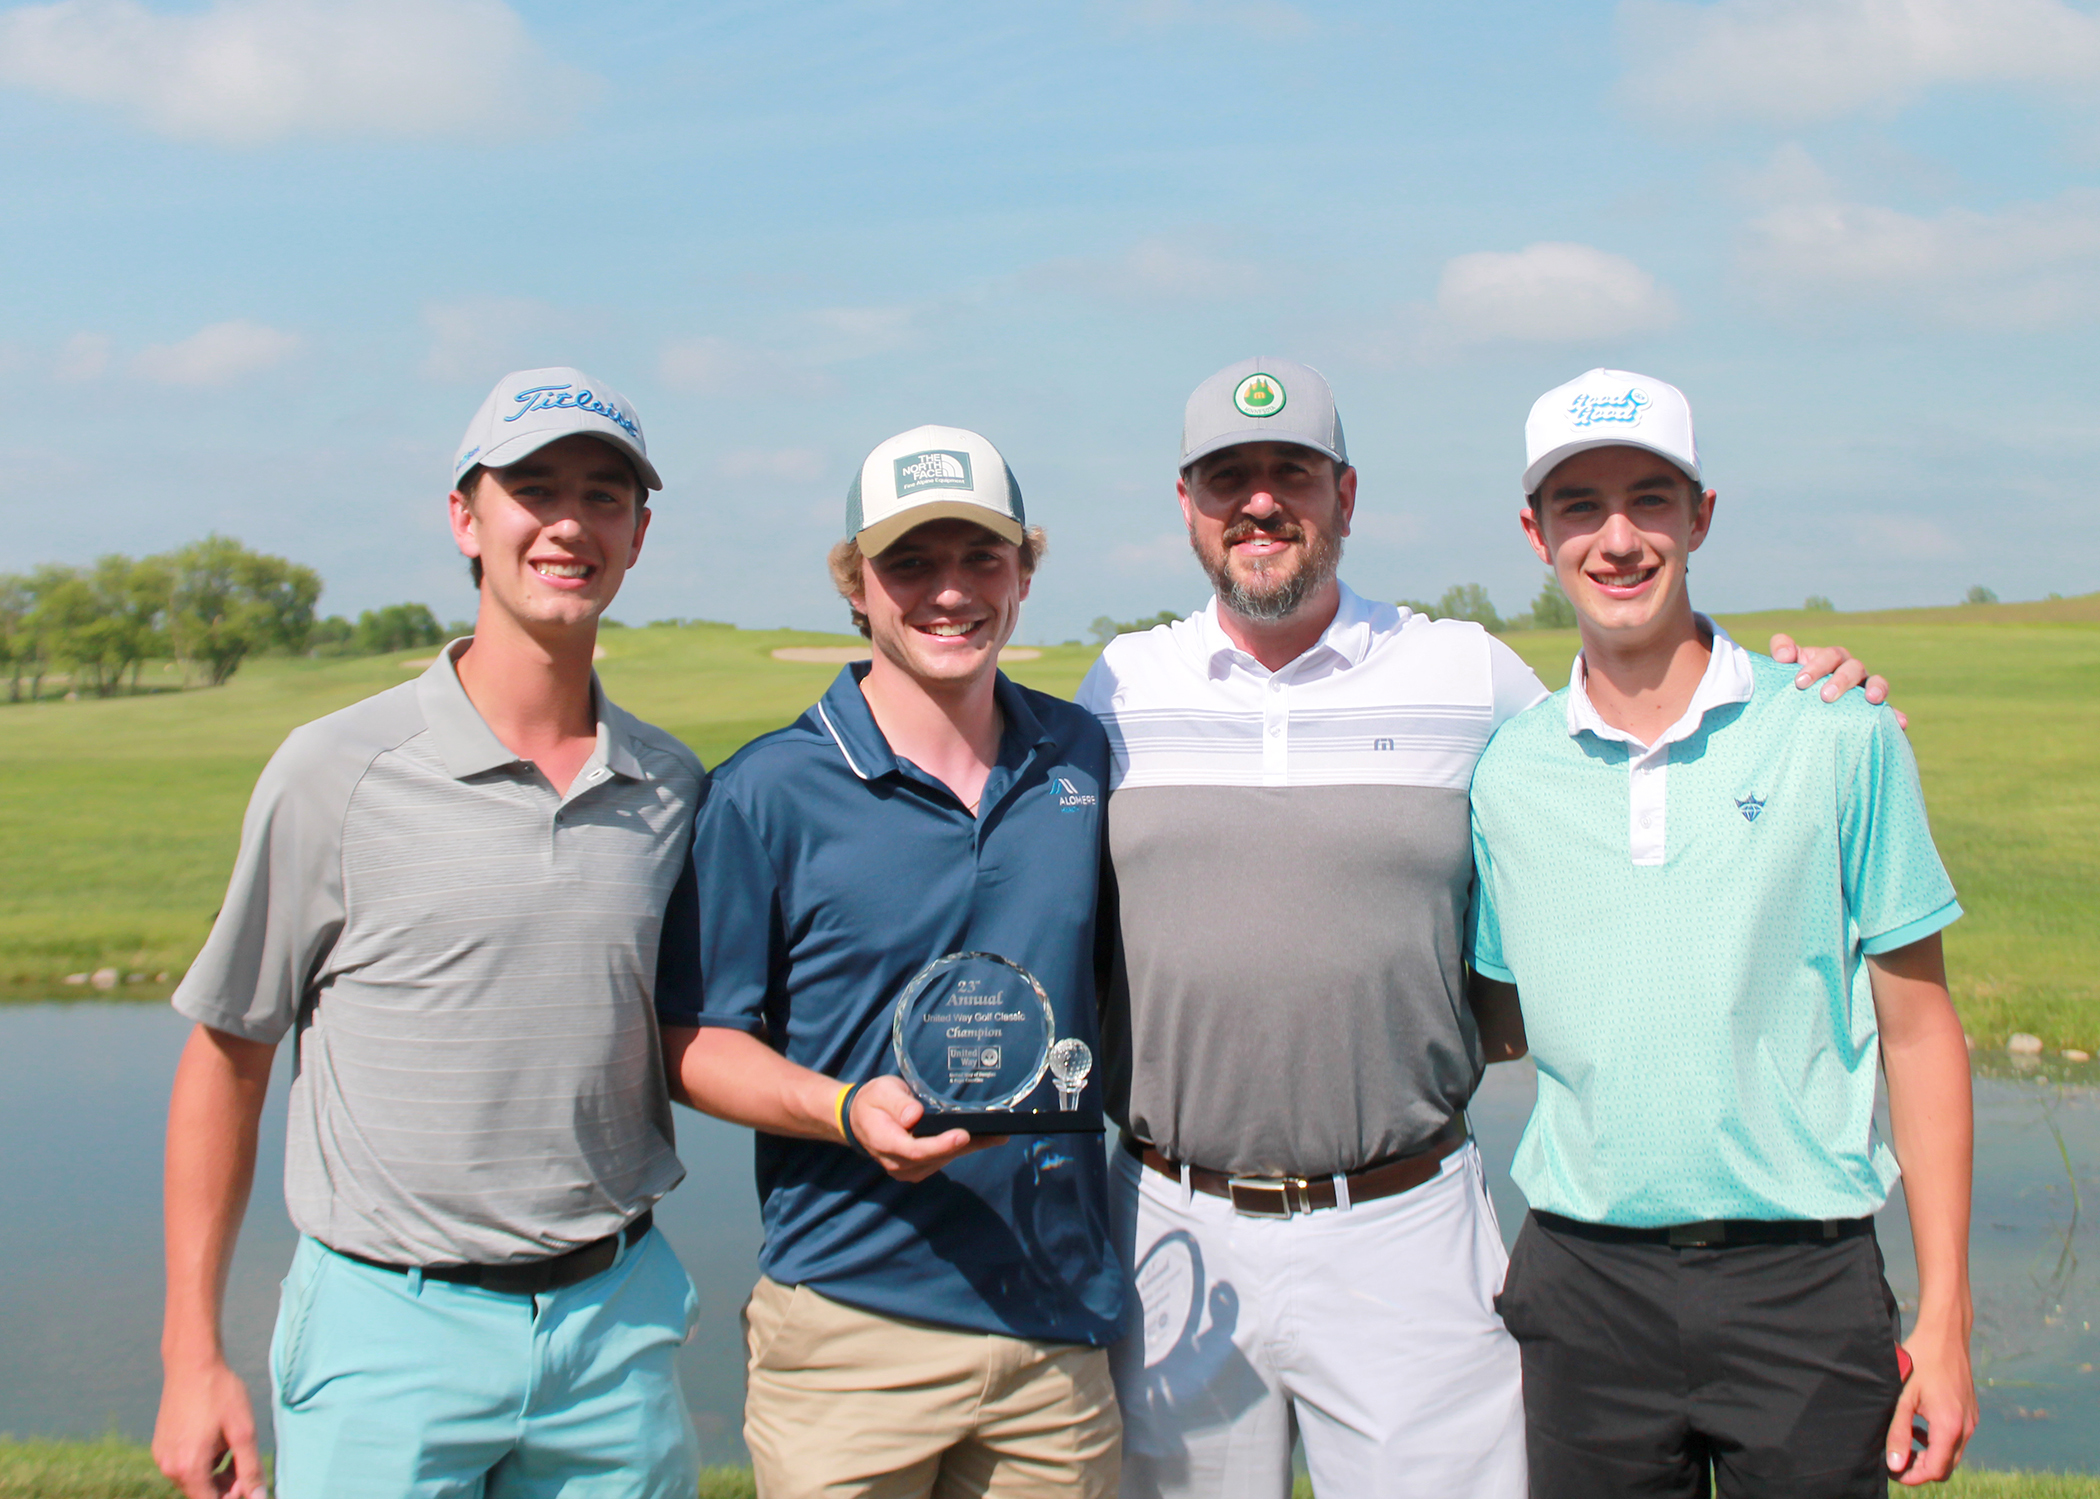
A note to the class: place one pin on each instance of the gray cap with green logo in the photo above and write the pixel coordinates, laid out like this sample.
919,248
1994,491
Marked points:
1262,400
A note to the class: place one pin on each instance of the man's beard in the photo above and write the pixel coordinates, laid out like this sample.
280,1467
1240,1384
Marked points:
1270,590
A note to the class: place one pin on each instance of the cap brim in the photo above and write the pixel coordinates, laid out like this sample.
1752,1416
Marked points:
1535,475
525,444
883,534
1244,435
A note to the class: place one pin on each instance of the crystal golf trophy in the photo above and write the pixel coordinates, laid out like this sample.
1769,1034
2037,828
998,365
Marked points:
975,1036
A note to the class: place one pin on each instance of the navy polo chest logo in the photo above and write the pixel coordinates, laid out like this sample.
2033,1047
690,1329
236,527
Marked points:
1070,798
1749,806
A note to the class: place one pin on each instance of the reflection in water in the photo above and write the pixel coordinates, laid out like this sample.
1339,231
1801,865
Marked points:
83,1090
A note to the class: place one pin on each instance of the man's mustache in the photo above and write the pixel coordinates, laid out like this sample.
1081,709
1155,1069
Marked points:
1276,529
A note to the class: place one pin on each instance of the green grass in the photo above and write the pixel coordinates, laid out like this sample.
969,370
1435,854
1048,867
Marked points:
119,817
112,1468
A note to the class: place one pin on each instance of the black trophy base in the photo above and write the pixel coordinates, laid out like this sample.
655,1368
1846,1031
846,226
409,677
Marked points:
1031,1122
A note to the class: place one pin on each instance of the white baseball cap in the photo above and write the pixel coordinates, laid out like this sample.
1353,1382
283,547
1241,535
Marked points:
932,473
1262,400
1608,409
530,408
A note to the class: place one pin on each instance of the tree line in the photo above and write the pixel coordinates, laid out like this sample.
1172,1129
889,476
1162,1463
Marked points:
207,606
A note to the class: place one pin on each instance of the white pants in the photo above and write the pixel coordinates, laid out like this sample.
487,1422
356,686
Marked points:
1369,1329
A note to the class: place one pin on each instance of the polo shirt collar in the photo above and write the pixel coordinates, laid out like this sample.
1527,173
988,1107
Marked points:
1346,640
846,717
1728,679
469,747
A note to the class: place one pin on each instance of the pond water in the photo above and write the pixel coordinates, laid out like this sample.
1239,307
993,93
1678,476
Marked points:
83,1093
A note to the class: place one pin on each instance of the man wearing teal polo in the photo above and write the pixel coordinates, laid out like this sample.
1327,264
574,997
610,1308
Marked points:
1718,909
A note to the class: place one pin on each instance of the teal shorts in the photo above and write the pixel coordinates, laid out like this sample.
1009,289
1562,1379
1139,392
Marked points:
390,1385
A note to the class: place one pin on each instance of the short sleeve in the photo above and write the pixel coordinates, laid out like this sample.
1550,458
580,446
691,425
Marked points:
1896,889
1098,688
284,904
736,917
1516,685
1483,921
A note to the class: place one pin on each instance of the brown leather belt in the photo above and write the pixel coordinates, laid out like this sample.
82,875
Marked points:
1286,1196
530,1277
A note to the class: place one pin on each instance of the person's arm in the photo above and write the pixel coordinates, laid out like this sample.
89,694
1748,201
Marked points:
205,1414
1500,1018
1926,1061
733,1075
1843,670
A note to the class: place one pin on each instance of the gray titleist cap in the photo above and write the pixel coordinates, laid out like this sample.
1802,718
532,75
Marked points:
1262,400
530,408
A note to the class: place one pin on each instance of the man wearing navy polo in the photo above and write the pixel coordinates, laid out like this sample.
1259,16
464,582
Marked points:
932,1313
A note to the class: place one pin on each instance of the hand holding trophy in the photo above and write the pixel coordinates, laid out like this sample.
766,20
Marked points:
974,1035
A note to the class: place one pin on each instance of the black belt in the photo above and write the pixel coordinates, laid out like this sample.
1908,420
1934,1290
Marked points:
1715,1233
530,1277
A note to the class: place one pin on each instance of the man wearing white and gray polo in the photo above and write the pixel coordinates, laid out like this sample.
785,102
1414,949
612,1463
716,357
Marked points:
451,895
1290,1041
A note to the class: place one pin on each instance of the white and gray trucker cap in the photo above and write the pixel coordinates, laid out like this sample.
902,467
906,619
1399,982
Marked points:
1608,409
932,473
530,408
1262,400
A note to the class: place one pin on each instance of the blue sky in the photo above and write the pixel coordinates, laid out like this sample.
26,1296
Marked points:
263,257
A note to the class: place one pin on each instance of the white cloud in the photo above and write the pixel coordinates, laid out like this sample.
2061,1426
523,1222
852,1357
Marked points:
475,340
1154,270
856,332
2029,266
244,72
789,465
718,367
81,358
1164,551
217,355
1803,60
1548,293
1906,538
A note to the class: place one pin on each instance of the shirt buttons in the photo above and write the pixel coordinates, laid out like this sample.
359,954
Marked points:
1275,729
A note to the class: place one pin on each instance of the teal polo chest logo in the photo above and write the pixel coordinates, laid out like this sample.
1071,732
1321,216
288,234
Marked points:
1749,806
1070,798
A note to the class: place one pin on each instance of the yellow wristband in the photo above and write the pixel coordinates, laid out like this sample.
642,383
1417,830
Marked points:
838,1112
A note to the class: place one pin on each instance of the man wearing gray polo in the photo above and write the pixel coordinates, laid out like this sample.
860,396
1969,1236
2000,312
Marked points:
1291,1042
451,896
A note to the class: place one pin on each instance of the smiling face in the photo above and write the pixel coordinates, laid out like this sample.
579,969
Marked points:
1619,526
1267,520
941,600
554,533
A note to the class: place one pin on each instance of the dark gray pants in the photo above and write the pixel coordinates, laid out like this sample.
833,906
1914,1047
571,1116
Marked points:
1773,1366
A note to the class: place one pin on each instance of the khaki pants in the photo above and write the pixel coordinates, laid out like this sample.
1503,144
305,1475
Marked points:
843,1403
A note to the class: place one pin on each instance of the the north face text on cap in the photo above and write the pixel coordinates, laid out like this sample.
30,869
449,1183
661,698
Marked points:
940,469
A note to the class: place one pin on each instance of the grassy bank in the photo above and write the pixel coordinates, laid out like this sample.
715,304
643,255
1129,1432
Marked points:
119,817
113,1469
